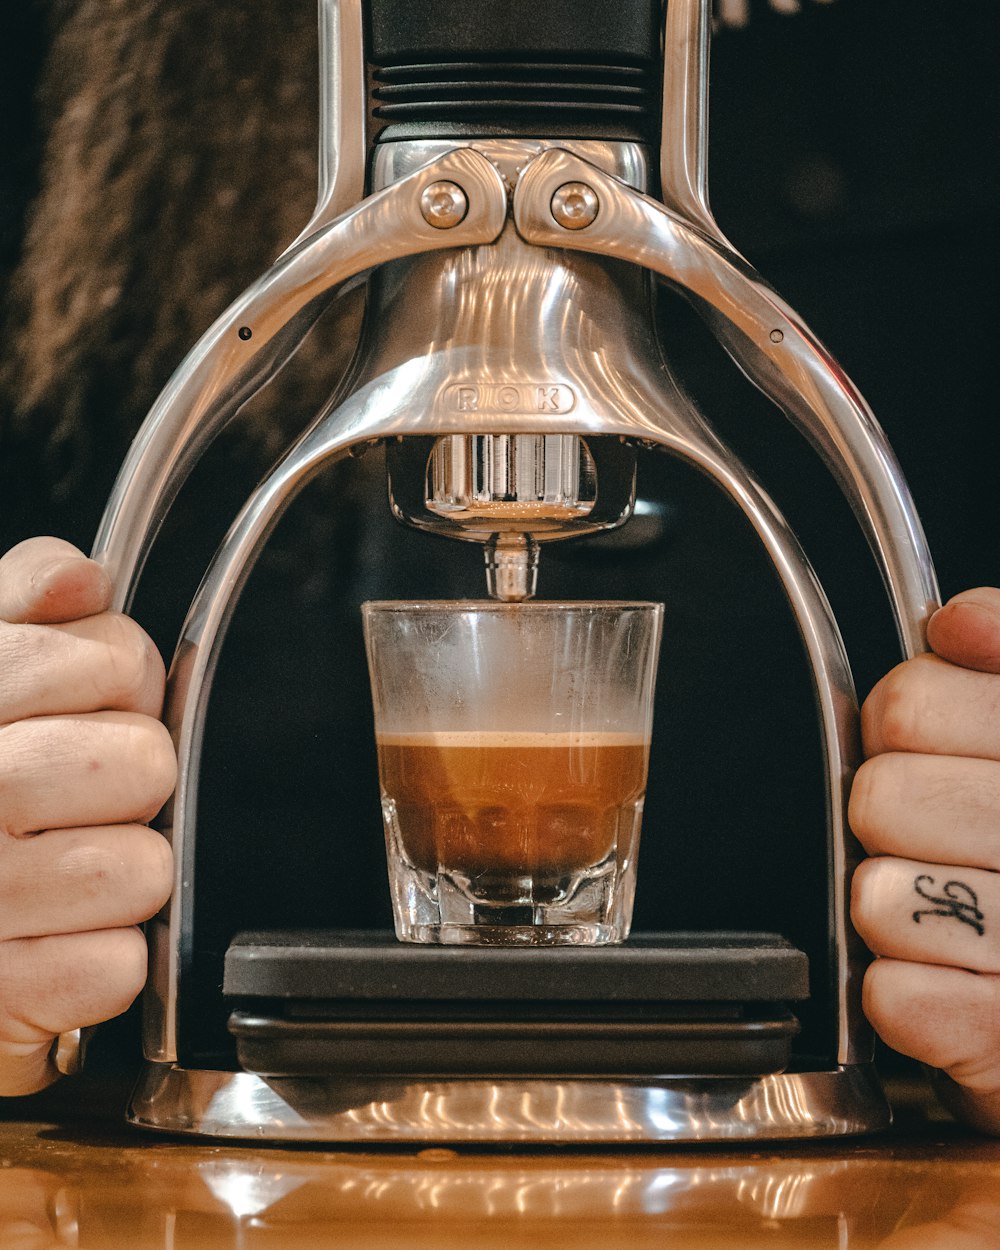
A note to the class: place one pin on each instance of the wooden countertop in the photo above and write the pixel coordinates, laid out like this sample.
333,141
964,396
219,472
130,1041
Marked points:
87,1183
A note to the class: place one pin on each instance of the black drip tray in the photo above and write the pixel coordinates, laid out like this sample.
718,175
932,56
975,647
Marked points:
353,1003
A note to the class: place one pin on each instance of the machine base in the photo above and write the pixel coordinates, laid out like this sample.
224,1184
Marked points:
530,1110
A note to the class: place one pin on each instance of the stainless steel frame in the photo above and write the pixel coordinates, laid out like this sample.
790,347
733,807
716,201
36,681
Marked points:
402,386
564,1112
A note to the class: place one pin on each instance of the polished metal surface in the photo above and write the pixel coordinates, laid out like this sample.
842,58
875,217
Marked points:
627,161
258,333
490,482
93,1184
69,1051
227,367
343,112
509,333
481,1110
509,491
443,204
684,117
511,567
556,329
551,303
511,338
773,347
575,205
342,159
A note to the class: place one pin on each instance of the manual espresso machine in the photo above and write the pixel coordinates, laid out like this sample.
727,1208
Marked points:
515,197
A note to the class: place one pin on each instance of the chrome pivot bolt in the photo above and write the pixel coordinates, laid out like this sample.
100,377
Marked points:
443,204
575,205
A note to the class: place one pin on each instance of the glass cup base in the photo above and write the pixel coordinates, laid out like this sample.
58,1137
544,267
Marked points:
591,906
511,934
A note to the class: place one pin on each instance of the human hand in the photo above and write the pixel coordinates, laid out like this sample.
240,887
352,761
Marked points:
926,804
83,762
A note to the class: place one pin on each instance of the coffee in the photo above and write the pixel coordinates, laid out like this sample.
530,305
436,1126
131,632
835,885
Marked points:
512,803
513,743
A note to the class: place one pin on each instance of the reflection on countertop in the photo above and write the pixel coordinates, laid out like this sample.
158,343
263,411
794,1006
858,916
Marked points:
81,1185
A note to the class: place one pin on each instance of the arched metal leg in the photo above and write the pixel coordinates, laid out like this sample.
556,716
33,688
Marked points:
773,347
343,112
189,688
837,705
258,334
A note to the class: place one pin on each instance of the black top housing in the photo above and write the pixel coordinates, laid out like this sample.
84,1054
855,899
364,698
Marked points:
523,68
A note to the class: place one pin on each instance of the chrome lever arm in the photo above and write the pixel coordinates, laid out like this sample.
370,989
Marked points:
250,343
343,106
770,344
261,330
687,37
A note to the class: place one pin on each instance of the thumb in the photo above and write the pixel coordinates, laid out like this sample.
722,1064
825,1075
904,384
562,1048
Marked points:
966,630
45,580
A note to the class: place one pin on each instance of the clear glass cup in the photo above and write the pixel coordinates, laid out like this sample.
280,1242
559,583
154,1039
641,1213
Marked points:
513,747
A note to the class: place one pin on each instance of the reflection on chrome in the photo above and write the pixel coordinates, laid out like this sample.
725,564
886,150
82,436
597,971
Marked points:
593,1110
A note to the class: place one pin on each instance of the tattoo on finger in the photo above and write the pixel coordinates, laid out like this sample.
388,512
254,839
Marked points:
956,900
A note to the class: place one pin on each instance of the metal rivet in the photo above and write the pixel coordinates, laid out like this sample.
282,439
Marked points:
575,205
443,204
245,333
776,336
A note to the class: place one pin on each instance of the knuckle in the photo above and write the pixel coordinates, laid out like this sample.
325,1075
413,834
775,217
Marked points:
884,1004
112,971
58,982
149,757
893,713
152,872
864,890
128,956
877,796
133,664
862,801
161,759
127,871
109,974
90,869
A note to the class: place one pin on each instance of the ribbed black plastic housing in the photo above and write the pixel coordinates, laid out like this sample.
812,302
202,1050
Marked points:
522,68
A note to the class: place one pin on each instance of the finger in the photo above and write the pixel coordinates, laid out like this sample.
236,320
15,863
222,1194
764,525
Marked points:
74,880
937,808
47,579
928,705
103,768
49,985
946,1017
928,913
102,662
966,630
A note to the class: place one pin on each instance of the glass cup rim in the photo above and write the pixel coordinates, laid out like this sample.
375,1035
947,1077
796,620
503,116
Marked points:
494,605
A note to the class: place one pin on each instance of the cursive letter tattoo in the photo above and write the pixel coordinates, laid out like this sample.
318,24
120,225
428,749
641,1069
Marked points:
958,900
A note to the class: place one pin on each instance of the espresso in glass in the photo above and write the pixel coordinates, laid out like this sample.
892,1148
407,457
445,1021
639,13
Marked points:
507,806
513,746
